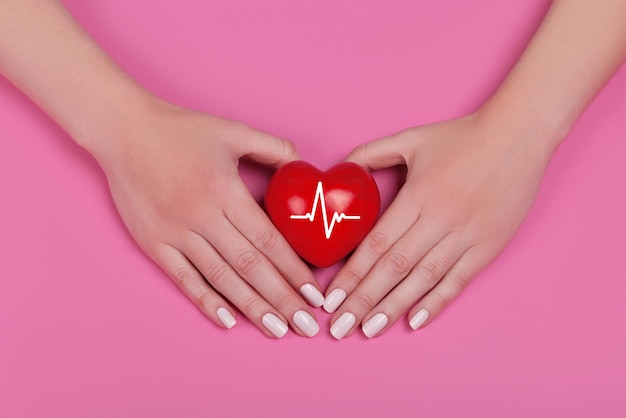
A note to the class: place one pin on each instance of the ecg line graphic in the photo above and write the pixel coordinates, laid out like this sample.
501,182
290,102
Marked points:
337,217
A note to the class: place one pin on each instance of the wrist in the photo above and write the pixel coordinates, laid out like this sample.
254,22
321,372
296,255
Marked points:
103,130
527,127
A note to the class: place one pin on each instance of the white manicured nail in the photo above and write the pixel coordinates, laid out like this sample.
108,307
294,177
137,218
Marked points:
375,324
312,295
332,301
226,318
419,318
342,325
275,325
306,323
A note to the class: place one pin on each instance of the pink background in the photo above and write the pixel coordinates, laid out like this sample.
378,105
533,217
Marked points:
90,327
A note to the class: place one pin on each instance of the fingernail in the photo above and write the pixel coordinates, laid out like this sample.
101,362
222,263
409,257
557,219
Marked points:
418,319
312,295
332,301
275,325
342,325
306,323
374,325
226,318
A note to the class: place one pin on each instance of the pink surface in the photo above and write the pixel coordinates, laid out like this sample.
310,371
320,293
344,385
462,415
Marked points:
90,327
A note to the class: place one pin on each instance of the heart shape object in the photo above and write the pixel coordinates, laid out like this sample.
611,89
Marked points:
323,215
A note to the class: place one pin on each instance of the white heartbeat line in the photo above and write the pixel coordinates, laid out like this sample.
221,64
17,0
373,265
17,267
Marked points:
337,217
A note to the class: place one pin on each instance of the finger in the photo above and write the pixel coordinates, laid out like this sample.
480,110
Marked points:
187,278
381,153
253,223
391,226
422,277
450,287
256,270
267,149
430,271
228,283
390,270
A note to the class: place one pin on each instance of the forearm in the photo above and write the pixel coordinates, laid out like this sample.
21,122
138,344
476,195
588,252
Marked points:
577,48
46,54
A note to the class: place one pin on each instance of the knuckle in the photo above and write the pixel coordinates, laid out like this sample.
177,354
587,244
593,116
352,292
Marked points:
282,301
397,263
247,261
457,280
183,277
438,299
395,304
353,276
205,300
359,152
365,300
379,242
288,148
252,307
431,270
265,239
293,271
216,274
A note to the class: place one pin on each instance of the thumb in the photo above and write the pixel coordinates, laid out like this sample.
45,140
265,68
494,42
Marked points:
268,149
381,153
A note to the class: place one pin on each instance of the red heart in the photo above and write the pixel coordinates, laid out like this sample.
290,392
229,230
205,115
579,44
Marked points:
323,215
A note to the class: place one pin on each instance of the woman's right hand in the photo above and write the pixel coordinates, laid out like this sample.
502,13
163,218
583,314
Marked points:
174,179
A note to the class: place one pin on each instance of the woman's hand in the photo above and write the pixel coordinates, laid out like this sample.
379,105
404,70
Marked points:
174,179
173,172
469,185
472,181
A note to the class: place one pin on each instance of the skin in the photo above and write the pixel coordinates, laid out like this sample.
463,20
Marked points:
472,181
173,171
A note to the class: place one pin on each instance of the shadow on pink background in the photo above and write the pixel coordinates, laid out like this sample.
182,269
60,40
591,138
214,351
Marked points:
89,327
